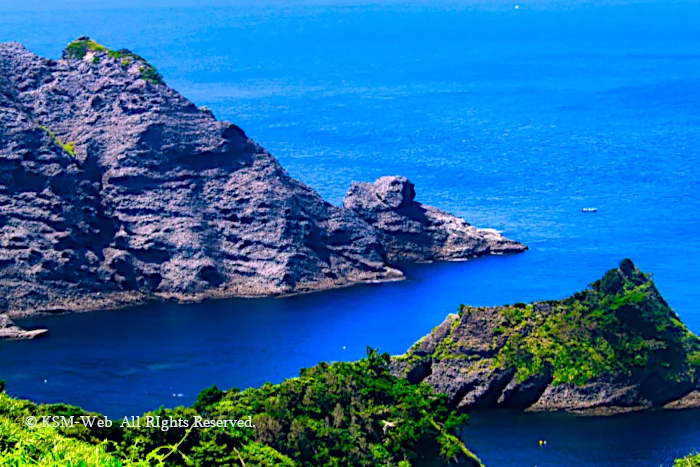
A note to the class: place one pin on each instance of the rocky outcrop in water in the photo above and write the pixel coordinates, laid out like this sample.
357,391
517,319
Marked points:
115,189
9,331
413,232
616,346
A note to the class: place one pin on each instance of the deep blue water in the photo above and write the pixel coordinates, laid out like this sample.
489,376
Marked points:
512,118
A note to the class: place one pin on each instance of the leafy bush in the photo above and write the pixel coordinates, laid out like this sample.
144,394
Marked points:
338,415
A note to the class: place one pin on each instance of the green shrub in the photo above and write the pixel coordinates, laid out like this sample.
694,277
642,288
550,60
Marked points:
688,461
340,415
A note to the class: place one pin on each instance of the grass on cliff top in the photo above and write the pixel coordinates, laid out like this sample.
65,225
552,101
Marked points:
618,325
340,415
79,48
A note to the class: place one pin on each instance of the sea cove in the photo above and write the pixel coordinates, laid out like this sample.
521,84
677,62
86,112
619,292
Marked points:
512,119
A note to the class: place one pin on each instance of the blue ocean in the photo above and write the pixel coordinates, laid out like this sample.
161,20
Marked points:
514,115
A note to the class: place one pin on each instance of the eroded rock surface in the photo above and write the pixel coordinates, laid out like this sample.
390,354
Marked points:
412,232
115,189
614,347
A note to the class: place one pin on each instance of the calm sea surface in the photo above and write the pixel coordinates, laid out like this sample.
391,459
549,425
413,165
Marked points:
512,118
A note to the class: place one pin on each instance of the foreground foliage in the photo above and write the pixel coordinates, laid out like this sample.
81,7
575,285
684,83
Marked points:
688,461
340,415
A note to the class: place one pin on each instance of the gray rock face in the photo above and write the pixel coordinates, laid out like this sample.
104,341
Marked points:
413,232
115,189
475,356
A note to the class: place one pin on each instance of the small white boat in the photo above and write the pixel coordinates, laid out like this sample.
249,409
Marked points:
589,209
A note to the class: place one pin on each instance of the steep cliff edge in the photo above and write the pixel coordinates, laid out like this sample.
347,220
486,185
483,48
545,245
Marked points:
616,346
115,189
413,232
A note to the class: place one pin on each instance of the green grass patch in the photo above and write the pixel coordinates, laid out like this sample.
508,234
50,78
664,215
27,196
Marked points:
78,49
68,147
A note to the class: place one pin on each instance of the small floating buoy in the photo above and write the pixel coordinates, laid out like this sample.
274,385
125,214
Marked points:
343,347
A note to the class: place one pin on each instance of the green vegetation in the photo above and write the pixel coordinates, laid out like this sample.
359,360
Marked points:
619,325
688,461
45,446
68,147
338,415
79,48
150,74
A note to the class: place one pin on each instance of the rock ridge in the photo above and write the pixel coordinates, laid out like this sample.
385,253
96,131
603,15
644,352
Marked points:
115,190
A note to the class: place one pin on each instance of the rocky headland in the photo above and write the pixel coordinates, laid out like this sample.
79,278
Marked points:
615,347
413,232
115,190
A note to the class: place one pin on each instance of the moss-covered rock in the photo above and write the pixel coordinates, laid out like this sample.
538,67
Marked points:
615,346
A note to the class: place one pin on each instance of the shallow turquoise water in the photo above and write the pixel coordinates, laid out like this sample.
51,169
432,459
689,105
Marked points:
514,119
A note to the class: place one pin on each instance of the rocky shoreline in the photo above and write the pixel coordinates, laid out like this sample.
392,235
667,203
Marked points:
615,347
10,331
116,190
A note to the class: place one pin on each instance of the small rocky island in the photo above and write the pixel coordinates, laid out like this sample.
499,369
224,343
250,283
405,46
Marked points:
115,189
614,347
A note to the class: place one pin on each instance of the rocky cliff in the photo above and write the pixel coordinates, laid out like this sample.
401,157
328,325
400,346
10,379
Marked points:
413,232
616,346
115,189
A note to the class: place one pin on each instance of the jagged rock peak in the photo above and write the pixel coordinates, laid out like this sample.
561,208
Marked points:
616,346
411,231
397,192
